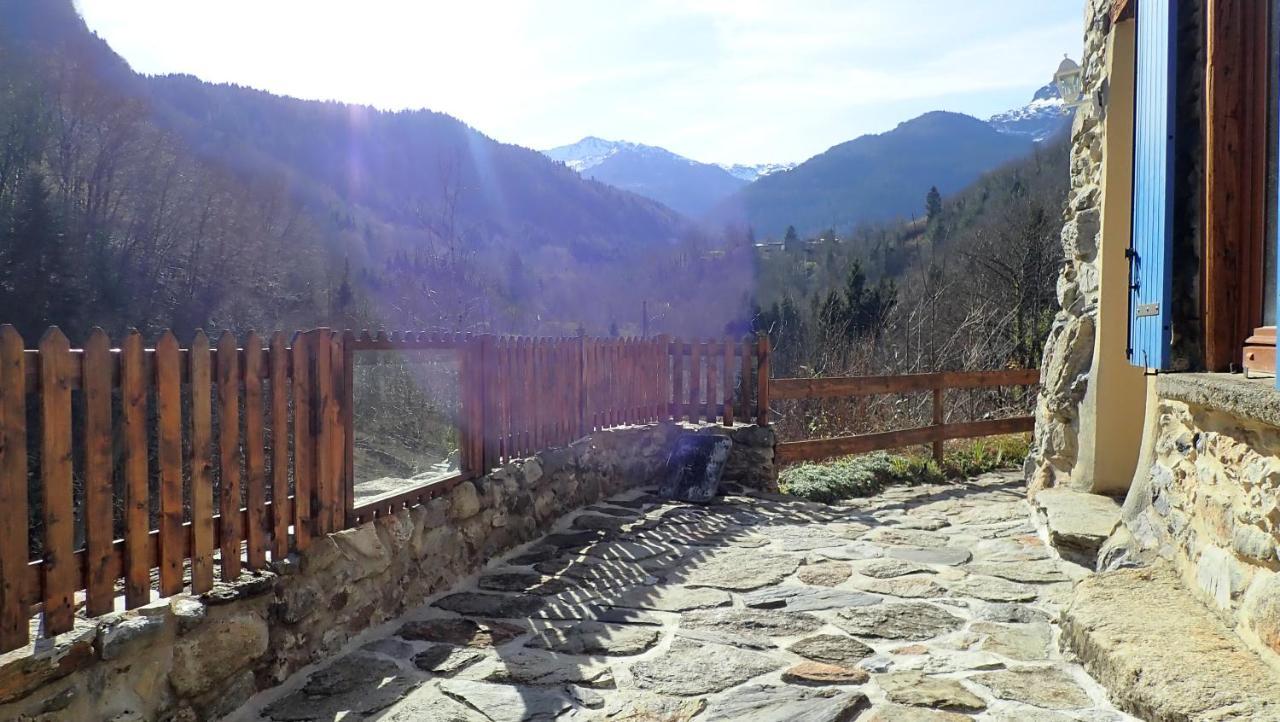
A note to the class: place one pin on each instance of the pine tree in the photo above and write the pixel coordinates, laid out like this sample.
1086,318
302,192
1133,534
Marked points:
933,203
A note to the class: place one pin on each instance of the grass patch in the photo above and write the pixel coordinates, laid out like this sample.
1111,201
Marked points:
867,474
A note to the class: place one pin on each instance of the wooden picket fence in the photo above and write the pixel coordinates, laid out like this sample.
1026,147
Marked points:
150,467
128,472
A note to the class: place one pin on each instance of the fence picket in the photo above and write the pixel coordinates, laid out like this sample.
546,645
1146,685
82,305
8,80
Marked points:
322,493
56,480
229,454
168,372
13,490
254,449
279,370
303,448
95,383
133,427
729,384
713,382
201,464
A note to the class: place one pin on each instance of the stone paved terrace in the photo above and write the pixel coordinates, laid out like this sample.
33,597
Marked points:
928,604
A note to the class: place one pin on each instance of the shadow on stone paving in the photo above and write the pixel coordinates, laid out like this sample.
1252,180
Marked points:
538,635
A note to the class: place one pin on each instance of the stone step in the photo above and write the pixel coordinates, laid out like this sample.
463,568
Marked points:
1078,523
1162,655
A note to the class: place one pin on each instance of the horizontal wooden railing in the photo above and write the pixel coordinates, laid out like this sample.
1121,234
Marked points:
222,457
934,434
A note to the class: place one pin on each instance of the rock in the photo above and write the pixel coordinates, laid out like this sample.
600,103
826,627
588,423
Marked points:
914,621
690,669
536,667
926,523
667,598
820,673
992,589
565,540
729,639
905,537
889,568
899,713
1250,542
352,687
1019,613
1138,647
853,552
26,670
756,624
1039,572
530,582
741,570
539,553
429,703
915,587
215,651
445,659
595,638
824,574
1024,548
460,632
1051,687
832,649
502,606
121,632
921,690
951,556
464,501
508,703
1078,523
1025,642
648,707
797,598
767,703
694,468
390,647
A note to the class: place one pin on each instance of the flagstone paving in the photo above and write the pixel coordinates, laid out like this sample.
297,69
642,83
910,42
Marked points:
923,603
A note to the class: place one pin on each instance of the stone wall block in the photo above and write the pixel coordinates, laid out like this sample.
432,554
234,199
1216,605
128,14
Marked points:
363,550
219,650
464,501
23,671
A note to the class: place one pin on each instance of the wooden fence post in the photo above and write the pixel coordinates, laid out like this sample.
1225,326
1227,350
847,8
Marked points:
939,394
762,380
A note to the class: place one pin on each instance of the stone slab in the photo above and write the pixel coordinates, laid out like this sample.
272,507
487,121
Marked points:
1138,647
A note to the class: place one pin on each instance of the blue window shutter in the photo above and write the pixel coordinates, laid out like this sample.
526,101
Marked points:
1153,173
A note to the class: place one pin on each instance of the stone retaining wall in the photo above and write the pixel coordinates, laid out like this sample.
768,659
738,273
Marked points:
1210,502
194,658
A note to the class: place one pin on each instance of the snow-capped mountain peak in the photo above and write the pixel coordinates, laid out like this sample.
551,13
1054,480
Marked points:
751,172
1045,115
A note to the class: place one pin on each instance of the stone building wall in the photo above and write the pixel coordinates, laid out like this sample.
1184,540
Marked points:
1210,503
195,658
1069,348
1069,359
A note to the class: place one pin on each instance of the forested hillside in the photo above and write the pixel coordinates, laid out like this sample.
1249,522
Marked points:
874,178
151,202
968,285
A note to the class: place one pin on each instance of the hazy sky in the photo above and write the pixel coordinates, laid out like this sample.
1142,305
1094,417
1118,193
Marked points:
716,80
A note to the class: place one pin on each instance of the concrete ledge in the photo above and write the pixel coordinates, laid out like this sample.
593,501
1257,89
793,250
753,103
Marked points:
1255,399
1162,655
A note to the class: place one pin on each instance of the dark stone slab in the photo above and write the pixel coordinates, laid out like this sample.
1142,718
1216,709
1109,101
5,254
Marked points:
694,468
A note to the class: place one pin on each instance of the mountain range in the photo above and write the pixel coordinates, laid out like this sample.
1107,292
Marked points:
871,178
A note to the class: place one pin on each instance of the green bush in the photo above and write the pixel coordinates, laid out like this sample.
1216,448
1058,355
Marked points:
865,475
